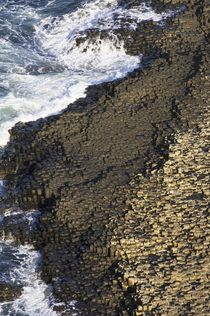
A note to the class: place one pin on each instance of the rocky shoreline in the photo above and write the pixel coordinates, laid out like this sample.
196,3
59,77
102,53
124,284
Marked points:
120,222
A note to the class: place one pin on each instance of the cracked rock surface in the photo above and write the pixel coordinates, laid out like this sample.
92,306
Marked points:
121,179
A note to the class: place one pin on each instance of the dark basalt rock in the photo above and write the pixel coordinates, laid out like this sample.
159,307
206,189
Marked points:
9,292
77,167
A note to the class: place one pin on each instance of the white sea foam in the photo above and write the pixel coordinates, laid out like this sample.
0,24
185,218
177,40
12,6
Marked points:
36,295
63,70
19,265
59,33
42,77
29,217
33,96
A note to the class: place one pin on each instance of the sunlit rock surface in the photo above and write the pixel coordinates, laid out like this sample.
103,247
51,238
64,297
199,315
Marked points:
121,178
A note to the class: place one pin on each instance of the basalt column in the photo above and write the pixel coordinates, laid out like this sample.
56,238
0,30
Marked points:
120,178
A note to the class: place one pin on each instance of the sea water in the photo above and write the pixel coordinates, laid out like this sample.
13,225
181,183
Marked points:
20,267
42,70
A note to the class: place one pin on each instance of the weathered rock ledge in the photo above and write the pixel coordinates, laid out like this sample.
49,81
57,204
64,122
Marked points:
123,201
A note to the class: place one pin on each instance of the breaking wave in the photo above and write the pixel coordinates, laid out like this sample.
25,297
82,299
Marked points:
43,68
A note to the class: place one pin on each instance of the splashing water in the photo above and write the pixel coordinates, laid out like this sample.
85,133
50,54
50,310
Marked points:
42,69
19,267
21,263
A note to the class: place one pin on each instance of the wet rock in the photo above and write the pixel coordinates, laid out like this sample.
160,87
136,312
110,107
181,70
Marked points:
121,179
9,292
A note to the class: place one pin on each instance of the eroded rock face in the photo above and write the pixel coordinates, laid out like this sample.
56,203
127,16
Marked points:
81,169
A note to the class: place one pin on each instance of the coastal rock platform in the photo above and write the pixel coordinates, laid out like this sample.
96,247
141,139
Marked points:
121,178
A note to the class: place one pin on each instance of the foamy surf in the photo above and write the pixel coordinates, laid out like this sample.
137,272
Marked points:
20,267
41,73
42,70
36,297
